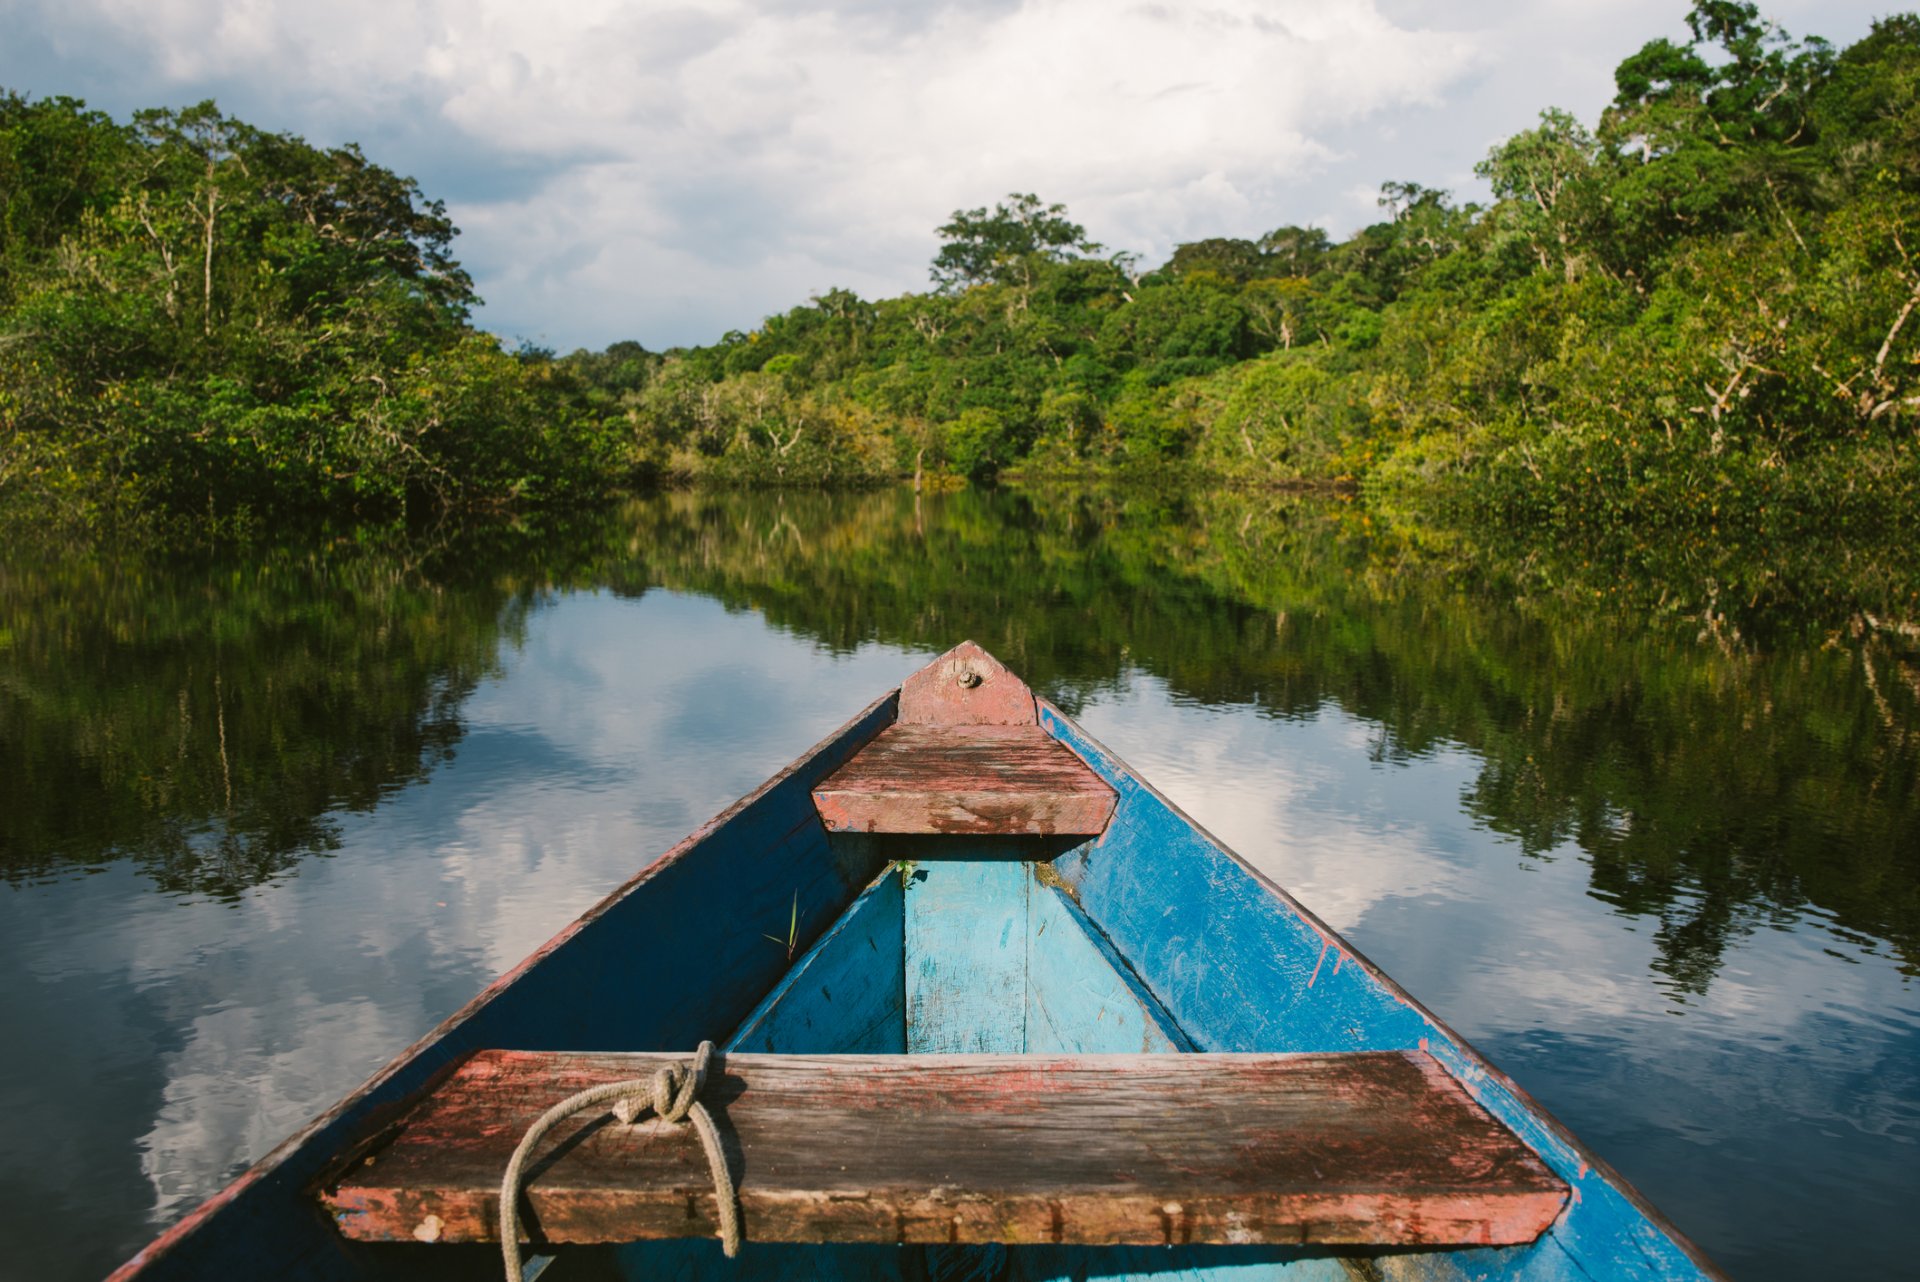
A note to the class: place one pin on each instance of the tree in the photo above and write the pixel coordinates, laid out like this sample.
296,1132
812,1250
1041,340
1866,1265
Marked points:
1549,173
1867,113
203,317
1236,260
1425,218
1295,251
59,162
1705,145
1003,247
1277,309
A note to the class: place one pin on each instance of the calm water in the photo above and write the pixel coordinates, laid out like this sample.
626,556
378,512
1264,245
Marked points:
264,821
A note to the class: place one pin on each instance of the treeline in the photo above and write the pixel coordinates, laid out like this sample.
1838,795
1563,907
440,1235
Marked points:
1696,318
200,318
1701,311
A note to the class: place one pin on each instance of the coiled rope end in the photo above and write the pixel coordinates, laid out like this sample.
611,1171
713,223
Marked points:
673,1095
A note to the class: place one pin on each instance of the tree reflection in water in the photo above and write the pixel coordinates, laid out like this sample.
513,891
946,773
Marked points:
1727,745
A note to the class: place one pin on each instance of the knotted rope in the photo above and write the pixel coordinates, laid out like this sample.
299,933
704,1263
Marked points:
673,1093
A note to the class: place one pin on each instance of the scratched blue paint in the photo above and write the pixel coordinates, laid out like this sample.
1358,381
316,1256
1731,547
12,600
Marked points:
988,960
1013,963
997,963
846,995
1240,968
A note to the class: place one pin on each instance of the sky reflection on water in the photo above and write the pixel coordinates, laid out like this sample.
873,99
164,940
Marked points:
180,1038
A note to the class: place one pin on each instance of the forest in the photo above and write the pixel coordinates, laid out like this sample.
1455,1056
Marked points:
1692,320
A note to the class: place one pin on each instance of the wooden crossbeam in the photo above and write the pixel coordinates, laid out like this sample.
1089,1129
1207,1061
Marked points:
1375,1148
977,780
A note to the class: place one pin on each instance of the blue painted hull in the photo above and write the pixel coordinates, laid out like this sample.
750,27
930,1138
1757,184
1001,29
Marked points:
1151,937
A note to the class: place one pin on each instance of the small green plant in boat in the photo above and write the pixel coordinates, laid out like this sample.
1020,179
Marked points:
793,929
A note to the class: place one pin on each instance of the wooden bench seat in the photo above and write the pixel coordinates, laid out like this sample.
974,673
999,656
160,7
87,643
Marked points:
1376,1148
976,780
967,756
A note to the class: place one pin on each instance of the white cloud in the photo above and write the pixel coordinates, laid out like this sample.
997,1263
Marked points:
779,153
666,171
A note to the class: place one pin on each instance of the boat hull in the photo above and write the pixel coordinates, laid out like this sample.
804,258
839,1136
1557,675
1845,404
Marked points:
1152,936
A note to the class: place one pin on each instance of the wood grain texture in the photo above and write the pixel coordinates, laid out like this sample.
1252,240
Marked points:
979,780
966,686
1082,999
1381,1149
1151,891
968,956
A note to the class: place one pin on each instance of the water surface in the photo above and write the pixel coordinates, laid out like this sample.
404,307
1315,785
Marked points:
267,818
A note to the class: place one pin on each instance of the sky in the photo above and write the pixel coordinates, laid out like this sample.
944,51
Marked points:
669,170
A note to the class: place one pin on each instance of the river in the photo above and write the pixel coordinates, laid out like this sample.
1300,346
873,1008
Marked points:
267,817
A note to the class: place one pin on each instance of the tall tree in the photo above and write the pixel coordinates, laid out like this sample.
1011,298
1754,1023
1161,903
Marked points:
1005,246
1549,174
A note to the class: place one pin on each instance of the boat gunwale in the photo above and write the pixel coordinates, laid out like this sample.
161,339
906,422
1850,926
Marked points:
177,1234
1333,938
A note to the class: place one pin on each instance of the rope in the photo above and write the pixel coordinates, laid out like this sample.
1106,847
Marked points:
673,1093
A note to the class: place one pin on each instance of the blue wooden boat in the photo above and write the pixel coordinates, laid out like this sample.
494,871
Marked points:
988,1006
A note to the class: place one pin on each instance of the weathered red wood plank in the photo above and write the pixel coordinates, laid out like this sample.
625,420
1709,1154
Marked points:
1380,1149
983,780
966,686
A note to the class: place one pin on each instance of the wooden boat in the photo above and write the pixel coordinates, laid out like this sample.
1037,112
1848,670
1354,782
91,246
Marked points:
988,1007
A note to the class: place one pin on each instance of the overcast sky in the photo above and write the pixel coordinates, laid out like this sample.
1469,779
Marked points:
667,170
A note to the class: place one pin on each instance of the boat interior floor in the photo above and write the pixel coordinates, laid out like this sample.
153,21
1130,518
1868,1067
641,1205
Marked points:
977,949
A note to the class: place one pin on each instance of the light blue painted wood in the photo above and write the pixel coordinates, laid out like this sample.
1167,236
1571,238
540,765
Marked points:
1240,968
846,995
966,956
1080,998
996,962
1232,964
1236,969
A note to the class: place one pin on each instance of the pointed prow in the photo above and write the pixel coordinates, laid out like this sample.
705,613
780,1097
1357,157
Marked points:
966,686
966,756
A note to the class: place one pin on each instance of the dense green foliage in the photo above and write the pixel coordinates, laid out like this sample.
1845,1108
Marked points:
1697,316
199,317
1692,324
